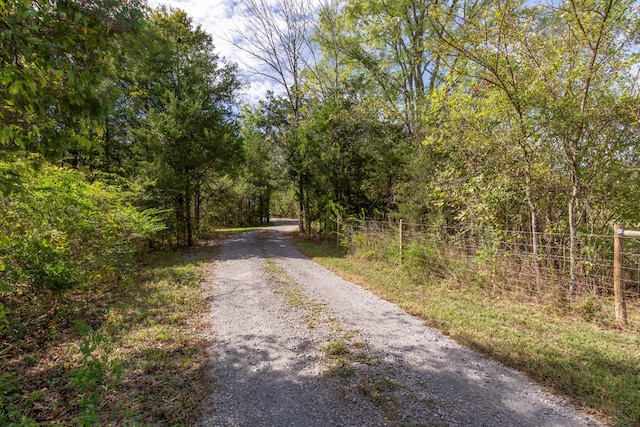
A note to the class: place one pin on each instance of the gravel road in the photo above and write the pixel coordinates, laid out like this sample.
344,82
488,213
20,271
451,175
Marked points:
296,345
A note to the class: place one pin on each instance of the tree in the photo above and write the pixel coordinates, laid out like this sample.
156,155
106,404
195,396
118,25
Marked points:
261,171
494,39
194,127
588,85
393,44
564,70
176,99
277,38
50,60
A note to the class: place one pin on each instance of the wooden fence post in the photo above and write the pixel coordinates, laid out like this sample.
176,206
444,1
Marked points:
401,239
618,295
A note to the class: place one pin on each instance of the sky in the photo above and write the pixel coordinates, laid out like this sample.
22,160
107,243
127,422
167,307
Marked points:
221,18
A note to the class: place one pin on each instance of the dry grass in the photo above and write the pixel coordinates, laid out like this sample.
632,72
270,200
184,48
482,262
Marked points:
128,352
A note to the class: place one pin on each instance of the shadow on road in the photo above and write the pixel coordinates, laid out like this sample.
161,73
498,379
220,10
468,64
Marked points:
241,246
427,380
368,394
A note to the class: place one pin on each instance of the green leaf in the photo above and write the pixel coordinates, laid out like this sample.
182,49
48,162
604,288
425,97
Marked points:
16,87
34,40
6,77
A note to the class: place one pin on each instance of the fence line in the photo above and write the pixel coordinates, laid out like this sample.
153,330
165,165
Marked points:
607,273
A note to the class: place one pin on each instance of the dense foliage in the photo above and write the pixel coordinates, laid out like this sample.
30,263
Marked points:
115,122
513,115
58,229
114,87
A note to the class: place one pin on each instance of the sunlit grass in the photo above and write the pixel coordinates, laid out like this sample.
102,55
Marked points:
598,369
236,230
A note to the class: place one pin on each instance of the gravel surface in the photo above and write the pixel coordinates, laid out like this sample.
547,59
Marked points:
296,345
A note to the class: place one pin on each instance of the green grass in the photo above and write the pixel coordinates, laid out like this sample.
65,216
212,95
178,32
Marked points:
379,390
336,348
224,232
289,289
595,367
125,353
314,313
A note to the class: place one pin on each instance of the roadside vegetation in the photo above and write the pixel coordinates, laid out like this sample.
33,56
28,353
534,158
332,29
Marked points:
596,367
127,352
119,148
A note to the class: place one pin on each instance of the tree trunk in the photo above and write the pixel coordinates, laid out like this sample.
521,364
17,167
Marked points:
307,210
534,221
179,211
575,191
301,212
187,210
197,202
268,208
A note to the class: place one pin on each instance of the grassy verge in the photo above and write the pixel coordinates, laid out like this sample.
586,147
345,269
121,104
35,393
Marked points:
596,368
126,353
225,232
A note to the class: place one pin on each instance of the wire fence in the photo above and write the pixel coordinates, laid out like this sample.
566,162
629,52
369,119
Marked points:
537,269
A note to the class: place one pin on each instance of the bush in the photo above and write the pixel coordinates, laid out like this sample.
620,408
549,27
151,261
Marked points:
59,229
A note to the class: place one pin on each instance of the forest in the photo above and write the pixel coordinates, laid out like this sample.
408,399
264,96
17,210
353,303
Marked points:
123,132
508,115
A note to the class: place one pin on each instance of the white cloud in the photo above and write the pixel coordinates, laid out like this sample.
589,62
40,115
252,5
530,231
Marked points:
221,19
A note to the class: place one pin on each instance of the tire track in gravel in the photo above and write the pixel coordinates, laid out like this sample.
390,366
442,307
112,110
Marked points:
268,365
389,369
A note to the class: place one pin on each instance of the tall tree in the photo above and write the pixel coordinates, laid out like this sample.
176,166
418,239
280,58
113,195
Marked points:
276,37
262,173
564,70
394,45
587,86
493,38
178,98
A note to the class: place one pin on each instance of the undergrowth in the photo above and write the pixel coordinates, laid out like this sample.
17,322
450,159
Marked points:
127,352
594,366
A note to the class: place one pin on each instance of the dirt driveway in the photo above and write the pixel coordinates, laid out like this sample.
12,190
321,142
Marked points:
296,345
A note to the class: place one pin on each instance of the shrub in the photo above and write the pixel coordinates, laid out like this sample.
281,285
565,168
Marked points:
59,229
